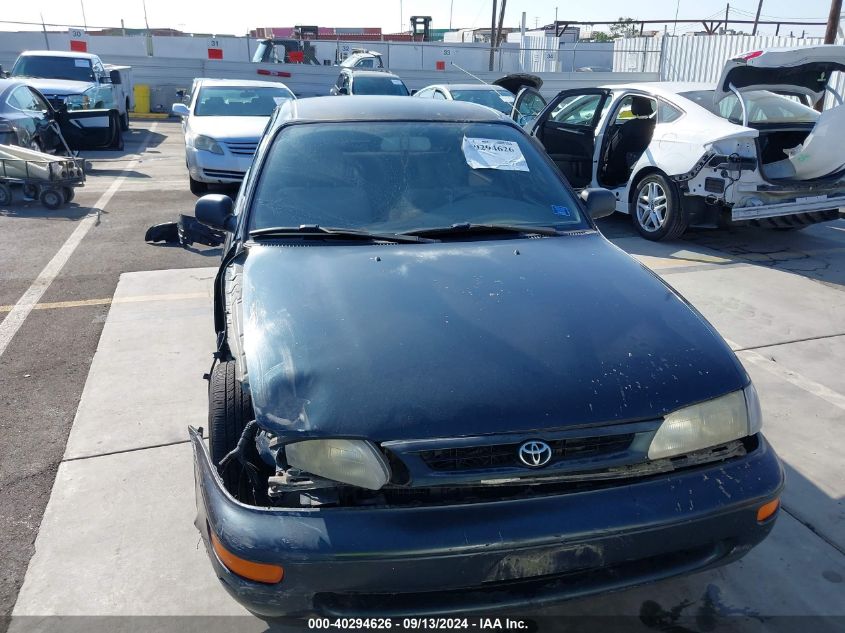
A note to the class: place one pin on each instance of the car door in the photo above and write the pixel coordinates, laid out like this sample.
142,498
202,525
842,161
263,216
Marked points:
90,129
528,105
567,130
17,112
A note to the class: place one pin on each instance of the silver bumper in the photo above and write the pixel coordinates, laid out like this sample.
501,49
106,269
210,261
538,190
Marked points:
800,205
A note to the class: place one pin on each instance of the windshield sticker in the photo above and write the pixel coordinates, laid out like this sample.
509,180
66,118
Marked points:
80,63
559,210
492,153
398,82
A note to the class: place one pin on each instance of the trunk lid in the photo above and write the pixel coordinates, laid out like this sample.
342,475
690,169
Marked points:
804,70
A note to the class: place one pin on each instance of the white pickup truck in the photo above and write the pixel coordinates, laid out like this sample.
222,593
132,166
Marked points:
78,80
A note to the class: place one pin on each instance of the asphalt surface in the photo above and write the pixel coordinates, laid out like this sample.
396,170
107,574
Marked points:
44,367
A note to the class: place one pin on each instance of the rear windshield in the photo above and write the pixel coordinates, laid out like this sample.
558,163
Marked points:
500,101
54,68
379,86
399,176
235,101
763,107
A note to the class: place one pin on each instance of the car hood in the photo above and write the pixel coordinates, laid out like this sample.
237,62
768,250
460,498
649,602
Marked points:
453,339
803,70
229,127
59,87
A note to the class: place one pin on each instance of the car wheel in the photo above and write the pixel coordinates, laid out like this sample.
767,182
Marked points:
52,198
656,210
124,121
197,188
5,194
69,193
229,411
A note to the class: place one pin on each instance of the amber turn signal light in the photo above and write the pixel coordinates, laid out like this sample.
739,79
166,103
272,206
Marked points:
766,510
259,572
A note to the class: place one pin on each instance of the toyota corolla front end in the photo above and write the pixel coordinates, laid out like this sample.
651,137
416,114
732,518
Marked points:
438,389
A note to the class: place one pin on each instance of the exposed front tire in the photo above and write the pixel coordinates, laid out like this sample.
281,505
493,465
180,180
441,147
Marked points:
656,209
197,188
69,193
229,411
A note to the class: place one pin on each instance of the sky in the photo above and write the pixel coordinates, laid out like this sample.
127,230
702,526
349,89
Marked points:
237,17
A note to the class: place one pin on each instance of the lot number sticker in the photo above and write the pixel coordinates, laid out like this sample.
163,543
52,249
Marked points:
491,153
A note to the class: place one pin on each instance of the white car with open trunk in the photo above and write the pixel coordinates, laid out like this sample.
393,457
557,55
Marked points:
752,149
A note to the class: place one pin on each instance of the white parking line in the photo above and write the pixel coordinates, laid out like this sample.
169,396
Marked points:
802,382
17,315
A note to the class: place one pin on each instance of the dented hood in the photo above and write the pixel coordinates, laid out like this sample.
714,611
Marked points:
469,338
804,70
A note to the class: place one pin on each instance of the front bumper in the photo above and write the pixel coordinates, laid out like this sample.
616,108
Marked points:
216,168
479,557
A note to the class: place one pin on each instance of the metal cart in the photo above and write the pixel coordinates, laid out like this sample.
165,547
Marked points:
50,179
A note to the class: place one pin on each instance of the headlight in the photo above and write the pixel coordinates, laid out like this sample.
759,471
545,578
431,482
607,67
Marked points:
78,102
208,144
707,424
353,462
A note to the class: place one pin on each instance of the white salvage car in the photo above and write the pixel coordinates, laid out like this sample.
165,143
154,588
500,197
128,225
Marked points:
752,149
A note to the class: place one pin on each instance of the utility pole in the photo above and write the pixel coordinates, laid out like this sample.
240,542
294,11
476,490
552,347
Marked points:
757,17
493,33
84,21
499,29
833,21
451,6
727,15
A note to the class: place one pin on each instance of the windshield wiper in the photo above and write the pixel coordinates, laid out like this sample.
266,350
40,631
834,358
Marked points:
316,231
467,228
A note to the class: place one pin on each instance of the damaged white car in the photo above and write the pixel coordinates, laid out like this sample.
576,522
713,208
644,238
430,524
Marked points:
676,154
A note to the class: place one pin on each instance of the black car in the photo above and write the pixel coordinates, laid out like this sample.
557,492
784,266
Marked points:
27,119
352,81
438,388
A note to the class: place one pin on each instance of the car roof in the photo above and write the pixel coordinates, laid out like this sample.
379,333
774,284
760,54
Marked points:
663,88
471,87
370,72
386,108
59,54
239,83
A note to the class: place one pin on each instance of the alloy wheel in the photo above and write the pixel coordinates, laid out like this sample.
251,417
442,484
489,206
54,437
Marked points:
652,204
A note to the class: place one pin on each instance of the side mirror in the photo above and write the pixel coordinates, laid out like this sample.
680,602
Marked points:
343,90
413,92
180,109
599,202
215,211
115,77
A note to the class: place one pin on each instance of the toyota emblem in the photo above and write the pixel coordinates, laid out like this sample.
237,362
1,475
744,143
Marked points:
535,453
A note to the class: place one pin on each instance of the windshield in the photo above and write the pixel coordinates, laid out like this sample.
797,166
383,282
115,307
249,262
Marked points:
499,101
763,107
54,68
391,177
239,101
379,86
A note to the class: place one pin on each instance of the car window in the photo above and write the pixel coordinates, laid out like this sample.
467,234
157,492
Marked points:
397,176
74,69
531,105
425,93
239,101
365,63
40,104
763,107
369,85
484,96
666,112
22,99
623,109
576,109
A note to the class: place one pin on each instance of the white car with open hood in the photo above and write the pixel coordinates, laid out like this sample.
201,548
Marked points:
223,122
751,150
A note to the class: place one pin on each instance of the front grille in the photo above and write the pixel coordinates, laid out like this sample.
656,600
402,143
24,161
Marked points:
243,148
222,173
506,455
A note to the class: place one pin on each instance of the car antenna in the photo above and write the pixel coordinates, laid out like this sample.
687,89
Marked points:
469,73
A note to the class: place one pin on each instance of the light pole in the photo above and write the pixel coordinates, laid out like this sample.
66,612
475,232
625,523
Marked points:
451,6
401,18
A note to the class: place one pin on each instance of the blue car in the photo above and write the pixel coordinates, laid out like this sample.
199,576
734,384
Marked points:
439,389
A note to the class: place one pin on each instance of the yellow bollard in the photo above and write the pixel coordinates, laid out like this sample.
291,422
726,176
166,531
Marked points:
142,99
